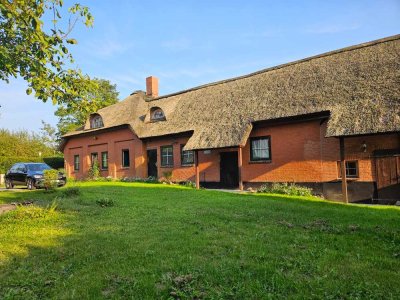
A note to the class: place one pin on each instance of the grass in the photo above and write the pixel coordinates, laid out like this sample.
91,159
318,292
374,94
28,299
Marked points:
169,242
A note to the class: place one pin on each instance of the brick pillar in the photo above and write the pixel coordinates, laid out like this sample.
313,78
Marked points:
240,164
343,171
196,155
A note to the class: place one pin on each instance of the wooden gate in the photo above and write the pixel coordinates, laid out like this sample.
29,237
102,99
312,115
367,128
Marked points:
387,171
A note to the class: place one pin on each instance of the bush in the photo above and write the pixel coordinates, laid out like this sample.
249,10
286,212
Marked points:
94,171
35,212
149,179
103,179
105,202
50,179
286,189
71,192
188,183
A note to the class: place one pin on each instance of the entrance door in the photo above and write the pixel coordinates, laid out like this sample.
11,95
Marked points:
229,169
387,166
152,163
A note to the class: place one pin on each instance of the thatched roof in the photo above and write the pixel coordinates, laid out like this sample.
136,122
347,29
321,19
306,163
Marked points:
359,85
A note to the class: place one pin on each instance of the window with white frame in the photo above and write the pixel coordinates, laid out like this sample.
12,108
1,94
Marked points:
351,169
187,157
167,156
260,148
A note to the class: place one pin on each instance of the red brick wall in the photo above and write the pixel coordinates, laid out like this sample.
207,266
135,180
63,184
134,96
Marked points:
354,151
113,142
179,172
299,151
295,153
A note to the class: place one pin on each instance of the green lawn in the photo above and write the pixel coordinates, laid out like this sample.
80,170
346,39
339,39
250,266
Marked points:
161,241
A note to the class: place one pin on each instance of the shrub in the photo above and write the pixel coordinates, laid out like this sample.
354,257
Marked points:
35,212
188,183
50,179
286,189
105,202
149,179
103,179
94,171
71,192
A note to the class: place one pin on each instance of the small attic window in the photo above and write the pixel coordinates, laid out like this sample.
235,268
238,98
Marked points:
157,114
96,122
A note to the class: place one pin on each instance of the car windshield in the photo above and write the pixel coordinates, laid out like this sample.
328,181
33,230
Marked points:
38,167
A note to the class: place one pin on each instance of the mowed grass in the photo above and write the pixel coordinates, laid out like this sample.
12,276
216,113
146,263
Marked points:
167,242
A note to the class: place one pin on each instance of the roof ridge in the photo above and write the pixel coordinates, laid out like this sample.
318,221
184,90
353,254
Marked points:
325,54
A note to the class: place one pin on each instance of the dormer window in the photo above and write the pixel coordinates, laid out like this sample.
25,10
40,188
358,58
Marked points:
96,122
157,114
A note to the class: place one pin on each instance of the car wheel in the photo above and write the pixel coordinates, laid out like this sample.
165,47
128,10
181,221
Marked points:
9,184
30,184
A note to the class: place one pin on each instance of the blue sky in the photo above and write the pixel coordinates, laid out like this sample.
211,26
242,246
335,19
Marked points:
188,43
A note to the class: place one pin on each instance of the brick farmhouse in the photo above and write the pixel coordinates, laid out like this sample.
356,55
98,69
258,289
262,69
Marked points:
331,122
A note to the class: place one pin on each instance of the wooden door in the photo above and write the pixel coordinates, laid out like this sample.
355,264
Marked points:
152,170
387,171
229,169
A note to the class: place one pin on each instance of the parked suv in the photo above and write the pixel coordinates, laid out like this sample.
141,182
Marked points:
29,174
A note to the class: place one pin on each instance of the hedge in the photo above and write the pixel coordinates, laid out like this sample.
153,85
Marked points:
56,162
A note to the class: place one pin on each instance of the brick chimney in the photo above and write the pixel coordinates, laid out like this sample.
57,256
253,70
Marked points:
152,86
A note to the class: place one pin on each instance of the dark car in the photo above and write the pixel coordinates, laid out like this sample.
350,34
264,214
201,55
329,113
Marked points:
29,174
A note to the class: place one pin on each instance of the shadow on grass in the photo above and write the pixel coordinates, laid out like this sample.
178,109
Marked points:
153,243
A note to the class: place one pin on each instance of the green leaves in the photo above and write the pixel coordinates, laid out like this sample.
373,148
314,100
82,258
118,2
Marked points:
41,57
95,94
72,41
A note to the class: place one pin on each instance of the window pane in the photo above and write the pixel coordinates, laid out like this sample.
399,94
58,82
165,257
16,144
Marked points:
125,158
104,160
260,149
76,162
351,169
166,156
187,157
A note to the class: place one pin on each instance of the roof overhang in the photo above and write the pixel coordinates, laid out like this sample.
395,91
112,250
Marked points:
321,115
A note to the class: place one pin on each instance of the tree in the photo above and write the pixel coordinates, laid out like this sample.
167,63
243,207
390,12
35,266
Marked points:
22,143
49,136
75,113
39,56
